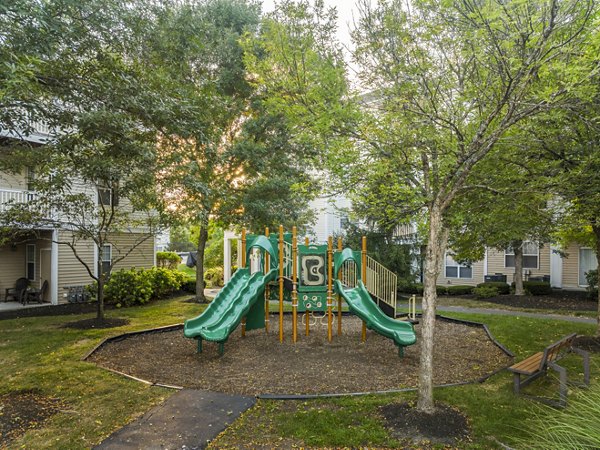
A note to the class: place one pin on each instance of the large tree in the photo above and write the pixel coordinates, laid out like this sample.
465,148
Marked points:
447,81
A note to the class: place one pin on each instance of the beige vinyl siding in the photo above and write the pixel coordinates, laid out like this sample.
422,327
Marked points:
495,261
570,269
16,181
70,271
477,276
12,266
141,256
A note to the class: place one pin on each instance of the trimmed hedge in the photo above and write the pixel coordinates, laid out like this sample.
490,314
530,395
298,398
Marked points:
502,288
459,289
139,286
537,287
167,260
482,291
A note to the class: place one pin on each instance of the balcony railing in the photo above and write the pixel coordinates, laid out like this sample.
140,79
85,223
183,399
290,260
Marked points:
12,196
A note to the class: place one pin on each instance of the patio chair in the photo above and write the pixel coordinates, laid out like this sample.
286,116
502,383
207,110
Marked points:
35,294
17,292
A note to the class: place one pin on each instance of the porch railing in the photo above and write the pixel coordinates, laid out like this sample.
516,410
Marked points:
11,196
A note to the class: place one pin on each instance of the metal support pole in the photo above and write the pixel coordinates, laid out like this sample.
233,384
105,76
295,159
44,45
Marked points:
243,265
329,287
364,280
267,287
339,297
307,313
281,250
294,285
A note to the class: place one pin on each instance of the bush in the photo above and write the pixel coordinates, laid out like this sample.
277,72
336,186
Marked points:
129,287
165,281
459,290
537,287
168,260
189,285
501,287
214,277
484,290
409,287
592,281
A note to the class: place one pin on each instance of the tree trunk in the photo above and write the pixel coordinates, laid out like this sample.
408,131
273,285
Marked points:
596,230
434,253
518,249
200,284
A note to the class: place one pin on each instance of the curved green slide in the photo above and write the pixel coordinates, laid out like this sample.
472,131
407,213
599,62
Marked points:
360,303
231,304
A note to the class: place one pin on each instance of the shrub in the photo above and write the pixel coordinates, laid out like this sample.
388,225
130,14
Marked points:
168,260
189,285
537,287
409,287
129,287
214,277
484,290
502,288
165,281
591,277
459,290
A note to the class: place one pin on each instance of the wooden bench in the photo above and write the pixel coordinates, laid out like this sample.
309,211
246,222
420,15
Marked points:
537,365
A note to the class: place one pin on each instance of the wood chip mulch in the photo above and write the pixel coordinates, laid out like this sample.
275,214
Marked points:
259,364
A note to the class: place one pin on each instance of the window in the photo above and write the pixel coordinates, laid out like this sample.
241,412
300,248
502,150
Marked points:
456,270
30,178
531,256
106,257
107,196
587,262
30,261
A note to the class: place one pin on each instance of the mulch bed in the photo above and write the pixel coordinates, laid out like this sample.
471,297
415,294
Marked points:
259,364
445,426
88,324
589,343
23,411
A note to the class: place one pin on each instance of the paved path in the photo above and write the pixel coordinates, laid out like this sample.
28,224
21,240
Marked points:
187,420
508,312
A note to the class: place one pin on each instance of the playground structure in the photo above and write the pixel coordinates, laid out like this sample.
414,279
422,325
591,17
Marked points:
278,268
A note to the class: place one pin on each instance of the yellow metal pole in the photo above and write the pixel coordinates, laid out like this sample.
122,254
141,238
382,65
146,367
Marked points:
267,288
307,313
294,285
329,287
243,265
339,297
364,280
306,242
281,249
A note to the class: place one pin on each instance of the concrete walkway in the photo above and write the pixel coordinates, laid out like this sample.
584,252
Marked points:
187,420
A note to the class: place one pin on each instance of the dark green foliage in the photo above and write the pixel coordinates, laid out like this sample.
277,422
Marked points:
503,288
592,281
128,288
537,287
165,281
459,290
485,290
409,287
189,286
380,246
169,260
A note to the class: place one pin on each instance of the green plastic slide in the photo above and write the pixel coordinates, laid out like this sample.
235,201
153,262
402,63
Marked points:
360,303
231,304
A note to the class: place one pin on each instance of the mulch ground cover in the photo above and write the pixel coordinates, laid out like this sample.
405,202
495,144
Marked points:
259,364
23,411
589,343
445,426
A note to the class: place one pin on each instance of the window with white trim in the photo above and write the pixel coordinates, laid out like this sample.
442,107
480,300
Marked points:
587,262
30,261
531,256
106,257
453,269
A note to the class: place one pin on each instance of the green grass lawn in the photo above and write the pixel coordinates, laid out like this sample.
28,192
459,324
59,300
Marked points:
36,353
189,271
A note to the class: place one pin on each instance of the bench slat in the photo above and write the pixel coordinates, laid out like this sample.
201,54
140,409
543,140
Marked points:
529,365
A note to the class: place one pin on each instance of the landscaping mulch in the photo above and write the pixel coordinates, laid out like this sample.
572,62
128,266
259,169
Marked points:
259,364
88,324
589,343
23,411
445,426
